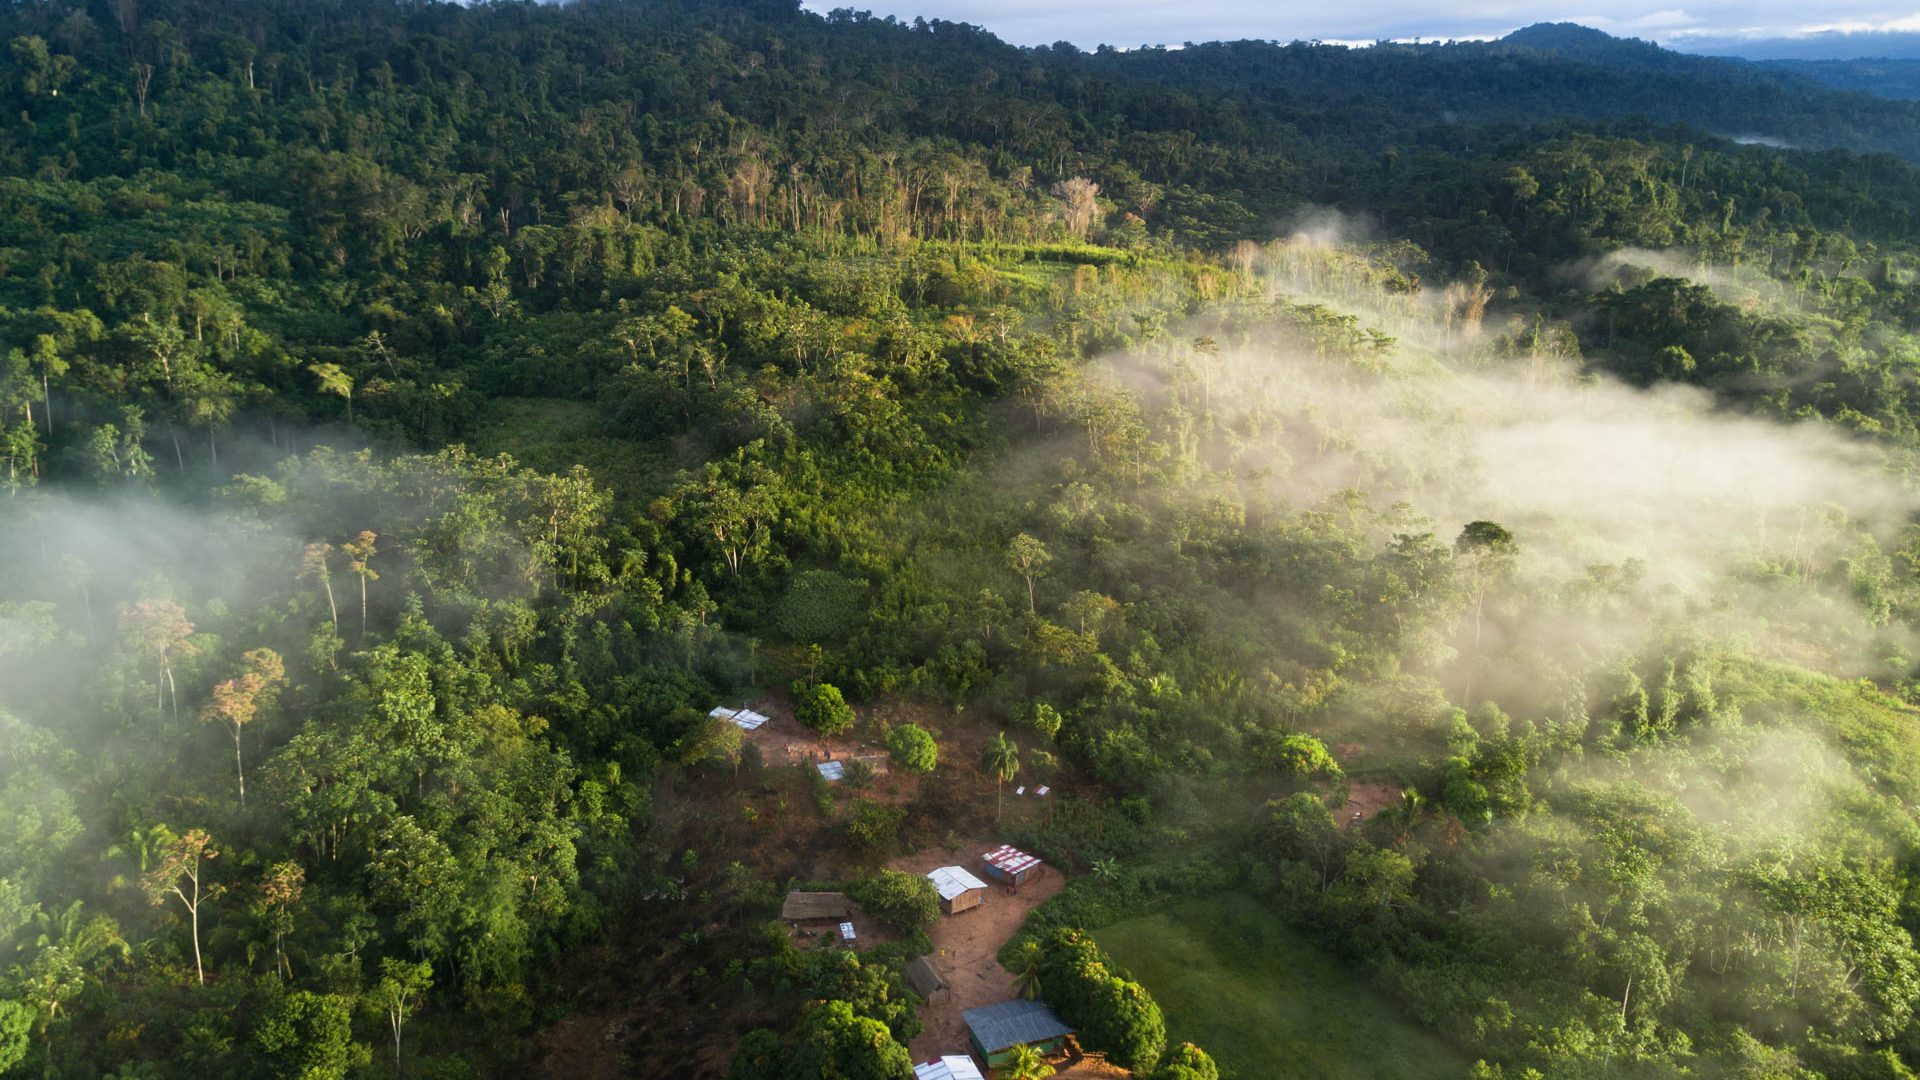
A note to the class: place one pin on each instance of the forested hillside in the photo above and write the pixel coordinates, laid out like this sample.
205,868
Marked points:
1462,502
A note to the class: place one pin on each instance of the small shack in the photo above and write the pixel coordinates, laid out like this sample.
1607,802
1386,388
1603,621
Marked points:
816,907
959,891
1010,866
950,1067
927,981
995,1030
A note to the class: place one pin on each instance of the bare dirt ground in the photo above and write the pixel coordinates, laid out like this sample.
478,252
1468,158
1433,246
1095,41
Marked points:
1366,798
866,932
1089,1068
965,945
785,741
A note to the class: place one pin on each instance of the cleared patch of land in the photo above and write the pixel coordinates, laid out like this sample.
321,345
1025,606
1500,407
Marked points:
966,946
1266,1002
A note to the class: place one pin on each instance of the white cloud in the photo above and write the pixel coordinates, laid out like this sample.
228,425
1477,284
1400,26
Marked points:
1135,22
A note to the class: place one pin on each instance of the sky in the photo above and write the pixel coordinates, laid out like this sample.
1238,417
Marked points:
1128,23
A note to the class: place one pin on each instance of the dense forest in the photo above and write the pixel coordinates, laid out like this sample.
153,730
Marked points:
1462,498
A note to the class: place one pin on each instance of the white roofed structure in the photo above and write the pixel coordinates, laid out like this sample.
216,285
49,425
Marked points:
958,889
950,1067
951,881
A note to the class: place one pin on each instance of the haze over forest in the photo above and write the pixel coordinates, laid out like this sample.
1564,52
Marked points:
1418,540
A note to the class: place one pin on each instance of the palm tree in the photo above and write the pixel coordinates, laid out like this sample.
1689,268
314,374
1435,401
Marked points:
1025,1063
1025,966
1002,759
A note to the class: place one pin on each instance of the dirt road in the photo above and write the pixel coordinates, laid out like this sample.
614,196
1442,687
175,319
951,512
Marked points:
965,946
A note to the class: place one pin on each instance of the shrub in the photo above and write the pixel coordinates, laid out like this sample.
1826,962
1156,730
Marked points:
913,749
1188,1062
901,902
874,828
822,708
1114,1014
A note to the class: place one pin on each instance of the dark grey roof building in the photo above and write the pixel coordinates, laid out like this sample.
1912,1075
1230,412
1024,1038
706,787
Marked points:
996,1029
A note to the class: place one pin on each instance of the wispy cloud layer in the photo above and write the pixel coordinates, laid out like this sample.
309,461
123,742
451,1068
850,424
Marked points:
1130,23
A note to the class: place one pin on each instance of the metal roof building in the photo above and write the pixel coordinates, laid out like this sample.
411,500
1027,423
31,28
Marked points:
950,1067
1009,864
997,1029
744,719
958,889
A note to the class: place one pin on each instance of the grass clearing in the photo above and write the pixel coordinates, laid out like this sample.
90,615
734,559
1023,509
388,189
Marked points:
1266,1002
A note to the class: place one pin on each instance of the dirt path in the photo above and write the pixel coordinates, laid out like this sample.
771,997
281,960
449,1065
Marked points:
965,946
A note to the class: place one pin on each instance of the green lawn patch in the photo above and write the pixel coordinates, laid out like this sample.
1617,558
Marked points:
1266,1002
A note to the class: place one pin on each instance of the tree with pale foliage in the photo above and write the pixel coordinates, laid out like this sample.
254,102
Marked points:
334,380
236,701
177,874
313,567
160,631
1029,558
359,552
401,987
280,891
1079,204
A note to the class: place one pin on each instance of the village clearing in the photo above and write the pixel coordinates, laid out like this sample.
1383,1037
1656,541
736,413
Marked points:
966,946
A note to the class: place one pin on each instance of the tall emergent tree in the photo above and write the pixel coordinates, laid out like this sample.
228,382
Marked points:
176,873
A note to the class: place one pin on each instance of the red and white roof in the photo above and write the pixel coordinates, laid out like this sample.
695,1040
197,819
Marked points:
1010,860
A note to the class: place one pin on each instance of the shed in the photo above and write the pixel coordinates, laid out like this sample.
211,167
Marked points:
995,1030
750,720
1010,866
959,891
805,907
832,770
927,982
950,1067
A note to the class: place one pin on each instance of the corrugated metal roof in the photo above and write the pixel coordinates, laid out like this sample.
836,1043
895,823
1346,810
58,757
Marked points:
749,720
1010,859
951,1067
951,881
721,712
832,770
1014,1023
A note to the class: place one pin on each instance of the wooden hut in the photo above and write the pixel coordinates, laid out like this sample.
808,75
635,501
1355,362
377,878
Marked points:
927,982
816,907
959,891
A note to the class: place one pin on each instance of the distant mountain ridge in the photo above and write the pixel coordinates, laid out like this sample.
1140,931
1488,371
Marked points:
1829,45
1888,78
1549,71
